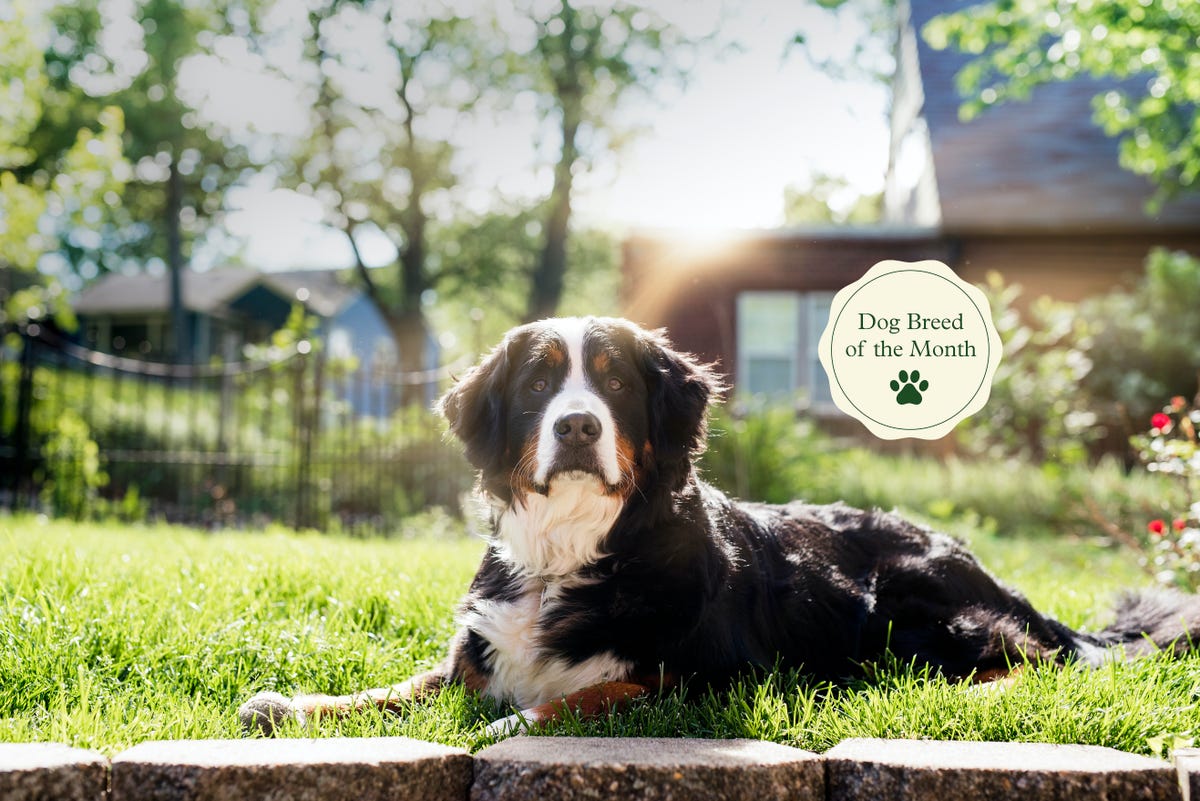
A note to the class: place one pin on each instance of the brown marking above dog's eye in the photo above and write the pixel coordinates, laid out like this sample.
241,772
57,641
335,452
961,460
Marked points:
554,355
601,362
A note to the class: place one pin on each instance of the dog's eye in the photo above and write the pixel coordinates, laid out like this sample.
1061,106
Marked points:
615,385
539,385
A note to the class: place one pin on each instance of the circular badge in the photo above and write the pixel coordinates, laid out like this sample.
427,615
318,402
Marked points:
910,349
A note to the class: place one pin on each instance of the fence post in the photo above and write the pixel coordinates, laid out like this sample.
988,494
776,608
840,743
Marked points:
307,402
312,438
23,430
226,418
301,364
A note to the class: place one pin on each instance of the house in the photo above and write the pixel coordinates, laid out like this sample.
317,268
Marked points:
226,309
1032,190
756,303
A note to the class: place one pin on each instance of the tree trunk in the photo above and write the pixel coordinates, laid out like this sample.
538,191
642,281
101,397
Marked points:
406,320
546,285
181,351
409,326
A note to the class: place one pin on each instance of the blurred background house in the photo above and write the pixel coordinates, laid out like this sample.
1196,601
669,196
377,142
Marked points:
1033,191
225,310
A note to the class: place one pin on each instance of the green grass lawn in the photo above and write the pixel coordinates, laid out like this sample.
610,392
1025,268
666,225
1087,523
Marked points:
111,635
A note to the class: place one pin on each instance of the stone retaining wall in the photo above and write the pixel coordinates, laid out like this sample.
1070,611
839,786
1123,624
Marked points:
570,768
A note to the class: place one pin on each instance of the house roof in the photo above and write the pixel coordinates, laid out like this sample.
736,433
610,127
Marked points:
1042,164
211,291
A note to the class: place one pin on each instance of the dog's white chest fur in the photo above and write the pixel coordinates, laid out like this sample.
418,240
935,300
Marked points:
522,672
546,539
558,533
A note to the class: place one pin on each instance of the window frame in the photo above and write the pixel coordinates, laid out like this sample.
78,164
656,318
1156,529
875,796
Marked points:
805,361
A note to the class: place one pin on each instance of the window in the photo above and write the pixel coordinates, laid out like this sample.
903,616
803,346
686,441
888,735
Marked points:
777,338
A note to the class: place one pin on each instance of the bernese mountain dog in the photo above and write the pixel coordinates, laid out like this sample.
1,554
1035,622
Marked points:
613,569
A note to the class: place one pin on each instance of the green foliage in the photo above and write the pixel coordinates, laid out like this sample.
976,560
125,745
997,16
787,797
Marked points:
132,507
73,472
111,635
764,452
358,472
870,57
487,262
297,334
1076,378
1020,44
1036,411
1011,497
22,73
380,161
771,454
45,191
830,199
411,467
1145,343
181,168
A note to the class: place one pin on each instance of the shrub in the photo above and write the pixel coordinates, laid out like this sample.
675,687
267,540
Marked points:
1171,448
1144,344
72,465
1036,411
763,452
766,453
1078,377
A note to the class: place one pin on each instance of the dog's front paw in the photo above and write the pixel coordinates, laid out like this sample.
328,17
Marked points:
515,723
267,711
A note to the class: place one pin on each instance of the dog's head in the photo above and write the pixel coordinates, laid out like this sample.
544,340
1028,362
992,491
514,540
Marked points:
575,398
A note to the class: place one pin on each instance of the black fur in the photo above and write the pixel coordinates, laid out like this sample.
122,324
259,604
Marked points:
694,583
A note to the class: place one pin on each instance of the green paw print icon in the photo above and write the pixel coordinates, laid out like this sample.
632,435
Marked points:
908,388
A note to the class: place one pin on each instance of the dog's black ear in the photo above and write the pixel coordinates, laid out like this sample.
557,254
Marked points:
474,407
680,389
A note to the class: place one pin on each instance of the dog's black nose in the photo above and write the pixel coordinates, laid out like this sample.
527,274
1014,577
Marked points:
577,429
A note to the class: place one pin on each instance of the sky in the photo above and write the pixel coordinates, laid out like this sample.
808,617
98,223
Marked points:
713,155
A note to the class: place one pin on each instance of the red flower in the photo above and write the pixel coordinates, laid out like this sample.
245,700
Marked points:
1160,421
1156,527
1179,524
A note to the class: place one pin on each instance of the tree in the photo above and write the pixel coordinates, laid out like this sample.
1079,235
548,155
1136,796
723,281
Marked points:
1021,44
371,156
45,187
830,199
181,169
387,84
500,247
585,62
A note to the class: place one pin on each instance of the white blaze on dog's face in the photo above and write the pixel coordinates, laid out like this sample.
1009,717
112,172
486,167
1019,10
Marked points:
577,433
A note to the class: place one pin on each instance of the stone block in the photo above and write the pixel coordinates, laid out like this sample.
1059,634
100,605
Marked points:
1187,760
925,770
51,772
336,769
570,768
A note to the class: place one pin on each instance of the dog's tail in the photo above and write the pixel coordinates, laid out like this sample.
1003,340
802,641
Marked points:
1148,621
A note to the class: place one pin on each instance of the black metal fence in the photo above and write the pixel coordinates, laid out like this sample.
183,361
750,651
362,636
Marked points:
296,438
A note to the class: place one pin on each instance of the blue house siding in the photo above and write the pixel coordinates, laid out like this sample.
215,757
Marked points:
359,330
227,309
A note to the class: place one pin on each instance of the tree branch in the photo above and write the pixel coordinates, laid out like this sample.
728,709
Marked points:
360,267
